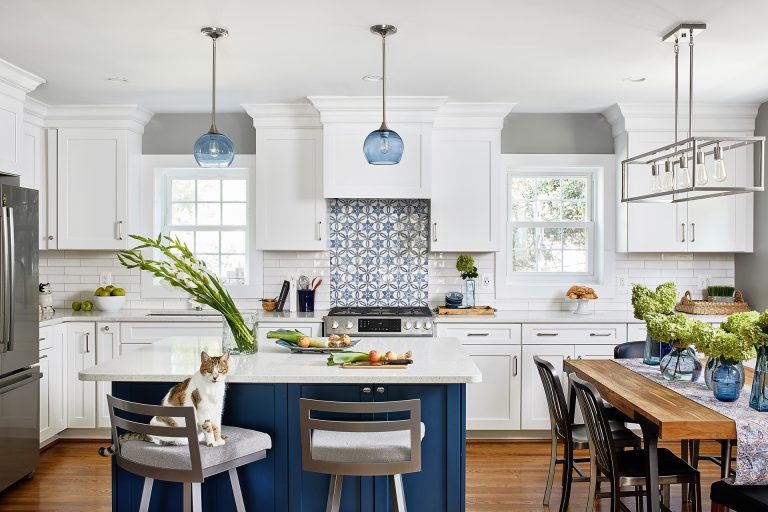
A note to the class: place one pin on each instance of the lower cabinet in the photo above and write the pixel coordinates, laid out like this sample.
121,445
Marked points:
107,347
533,404
53,418
81,396
494,403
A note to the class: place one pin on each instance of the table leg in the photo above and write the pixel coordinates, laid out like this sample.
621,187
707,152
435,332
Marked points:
650,442
725,458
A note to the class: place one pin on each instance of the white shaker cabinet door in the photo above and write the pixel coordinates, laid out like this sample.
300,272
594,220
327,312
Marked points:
107,347
11,135
534,412
494,403
92,180
81,395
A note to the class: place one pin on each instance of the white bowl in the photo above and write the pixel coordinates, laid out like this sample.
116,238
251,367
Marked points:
111,303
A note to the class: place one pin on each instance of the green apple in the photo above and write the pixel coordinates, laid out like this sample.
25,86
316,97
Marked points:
77,305
99,291
87,306
109,288
118,292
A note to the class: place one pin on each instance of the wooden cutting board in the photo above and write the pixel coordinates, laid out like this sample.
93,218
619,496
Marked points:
375,366
477,311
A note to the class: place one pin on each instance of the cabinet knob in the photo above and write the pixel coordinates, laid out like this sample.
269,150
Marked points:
50,237
367,390
106,328
380,390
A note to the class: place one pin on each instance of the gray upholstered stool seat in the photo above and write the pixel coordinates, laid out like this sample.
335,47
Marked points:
241,442
362,447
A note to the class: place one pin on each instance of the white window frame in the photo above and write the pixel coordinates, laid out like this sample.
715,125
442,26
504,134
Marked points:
156,173
601,238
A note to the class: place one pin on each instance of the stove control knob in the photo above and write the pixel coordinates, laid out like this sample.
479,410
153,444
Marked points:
334,325
350,324
407,325
417,325
427,325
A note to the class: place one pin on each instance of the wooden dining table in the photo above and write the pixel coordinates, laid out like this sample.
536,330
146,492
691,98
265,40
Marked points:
663,414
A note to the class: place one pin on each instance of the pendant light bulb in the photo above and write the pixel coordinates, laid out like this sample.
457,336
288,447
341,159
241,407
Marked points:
655,179
214,149
701,170
683,173
383,146
667,181
720,174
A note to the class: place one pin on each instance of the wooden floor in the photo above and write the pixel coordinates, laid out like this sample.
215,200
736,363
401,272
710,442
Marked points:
501,476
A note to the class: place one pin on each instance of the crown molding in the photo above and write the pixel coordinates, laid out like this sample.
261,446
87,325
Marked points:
655,117
35,111
129,117
473,115
18,80
283,115
367,109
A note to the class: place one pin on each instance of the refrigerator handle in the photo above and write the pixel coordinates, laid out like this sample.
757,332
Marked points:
9,307
3,277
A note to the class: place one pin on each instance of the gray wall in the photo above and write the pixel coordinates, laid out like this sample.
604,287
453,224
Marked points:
175,134
556,133
751,268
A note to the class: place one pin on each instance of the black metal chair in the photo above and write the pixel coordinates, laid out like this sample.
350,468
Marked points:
624,468
740,498
573,437
629,350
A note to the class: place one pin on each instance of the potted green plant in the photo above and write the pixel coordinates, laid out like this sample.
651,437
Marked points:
465,264
182,270
680,363
720,293
646,302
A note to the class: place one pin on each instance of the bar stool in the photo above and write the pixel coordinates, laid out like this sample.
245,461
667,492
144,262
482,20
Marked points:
361,448
189,464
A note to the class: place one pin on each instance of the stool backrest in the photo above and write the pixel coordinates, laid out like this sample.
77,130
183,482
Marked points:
553,390
189,431
629,350
310,424
601,446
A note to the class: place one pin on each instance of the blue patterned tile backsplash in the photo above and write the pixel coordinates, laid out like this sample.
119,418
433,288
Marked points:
379,251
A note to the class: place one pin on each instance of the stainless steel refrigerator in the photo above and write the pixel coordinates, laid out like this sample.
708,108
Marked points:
19,334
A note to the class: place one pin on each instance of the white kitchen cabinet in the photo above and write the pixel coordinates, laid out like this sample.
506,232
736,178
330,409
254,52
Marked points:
149,332
290,208
53,417
465,190
308,329
11,134
92,182
34,174
494,403
480,333
561,334
534,411
81,395
107,347
636,332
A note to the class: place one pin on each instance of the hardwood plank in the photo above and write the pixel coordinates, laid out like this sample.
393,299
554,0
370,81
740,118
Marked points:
676,416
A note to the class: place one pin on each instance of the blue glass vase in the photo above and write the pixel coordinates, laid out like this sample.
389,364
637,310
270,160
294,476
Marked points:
681,364
651,351
214,149
758,399
727,382
709,369
383,147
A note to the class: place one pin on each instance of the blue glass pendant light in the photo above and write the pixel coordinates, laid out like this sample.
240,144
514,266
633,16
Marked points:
383,146
214,149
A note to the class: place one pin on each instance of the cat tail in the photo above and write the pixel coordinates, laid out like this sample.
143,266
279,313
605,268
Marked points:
109,451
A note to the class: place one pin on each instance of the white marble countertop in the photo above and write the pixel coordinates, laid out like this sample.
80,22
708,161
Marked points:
550,317
436,361
159,315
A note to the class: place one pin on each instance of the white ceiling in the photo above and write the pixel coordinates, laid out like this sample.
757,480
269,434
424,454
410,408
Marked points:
546,55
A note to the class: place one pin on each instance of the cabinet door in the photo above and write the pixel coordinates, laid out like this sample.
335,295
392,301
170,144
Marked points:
465,194
34,174
534,409
81,395
291,212
57,393
92,189
494,403
107,346
11,134
45,385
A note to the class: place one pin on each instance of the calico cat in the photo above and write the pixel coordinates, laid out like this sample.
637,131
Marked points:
205,392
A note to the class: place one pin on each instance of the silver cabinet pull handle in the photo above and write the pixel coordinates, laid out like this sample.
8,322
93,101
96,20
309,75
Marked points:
41,339
683,224
380,390
367,390
693,231
87,342
547,334
477,334
43,356
579,358
319,230
119,230
434,231
600,334
11,283
514,366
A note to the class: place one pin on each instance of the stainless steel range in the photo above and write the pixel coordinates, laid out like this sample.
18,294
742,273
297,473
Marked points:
379,321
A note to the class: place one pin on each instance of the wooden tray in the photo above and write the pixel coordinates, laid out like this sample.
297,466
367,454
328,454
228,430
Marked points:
477,310
706,307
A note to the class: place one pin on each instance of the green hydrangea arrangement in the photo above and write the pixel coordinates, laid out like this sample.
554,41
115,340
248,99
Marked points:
670,329
728,347
701,335
466,265
737,322
646,302
757,333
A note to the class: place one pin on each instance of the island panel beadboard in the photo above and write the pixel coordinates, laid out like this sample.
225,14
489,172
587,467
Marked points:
676,416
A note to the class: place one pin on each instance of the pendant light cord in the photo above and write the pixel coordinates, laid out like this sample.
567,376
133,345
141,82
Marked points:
213,91
383,82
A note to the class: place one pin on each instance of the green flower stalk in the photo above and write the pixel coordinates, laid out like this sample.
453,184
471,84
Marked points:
182,270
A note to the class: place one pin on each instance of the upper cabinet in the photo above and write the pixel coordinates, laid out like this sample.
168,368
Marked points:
34,172
347,121
15,83
722,224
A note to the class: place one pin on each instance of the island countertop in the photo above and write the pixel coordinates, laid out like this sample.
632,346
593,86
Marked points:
435,361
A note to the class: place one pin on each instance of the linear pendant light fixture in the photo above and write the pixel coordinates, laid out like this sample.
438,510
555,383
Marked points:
678,172
214,149
383,146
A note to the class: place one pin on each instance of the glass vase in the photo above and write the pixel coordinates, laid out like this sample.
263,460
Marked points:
727,382
469,295
651,351
235,340
758,399
713,363
681,364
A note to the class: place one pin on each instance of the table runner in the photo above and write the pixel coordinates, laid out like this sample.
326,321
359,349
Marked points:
751,426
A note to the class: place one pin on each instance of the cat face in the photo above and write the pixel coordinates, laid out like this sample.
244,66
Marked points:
214,368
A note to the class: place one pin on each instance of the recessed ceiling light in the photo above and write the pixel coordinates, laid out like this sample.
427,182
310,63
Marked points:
116,79
634,79
372,78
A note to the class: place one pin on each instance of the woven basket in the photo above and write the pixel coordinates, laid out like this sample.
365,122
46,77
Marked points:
706,307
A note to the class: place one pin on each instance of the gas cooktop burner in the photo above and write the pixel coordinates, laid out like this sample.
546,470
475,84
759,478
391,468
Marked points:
380,311
379,321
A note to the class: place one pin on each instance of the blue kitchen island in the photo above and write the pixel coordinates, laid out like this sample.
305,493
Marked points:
263,393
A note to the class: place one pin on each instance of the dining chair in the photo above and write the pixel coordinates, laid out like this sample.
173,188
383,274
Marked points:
342,448
572,436
740,498
624,468
629,350
190,463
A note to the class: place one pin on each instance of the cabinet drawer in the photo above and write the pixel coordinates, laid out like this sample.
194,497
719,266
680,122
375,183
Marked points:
481,334
149,332
46,337
636,332
596,334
